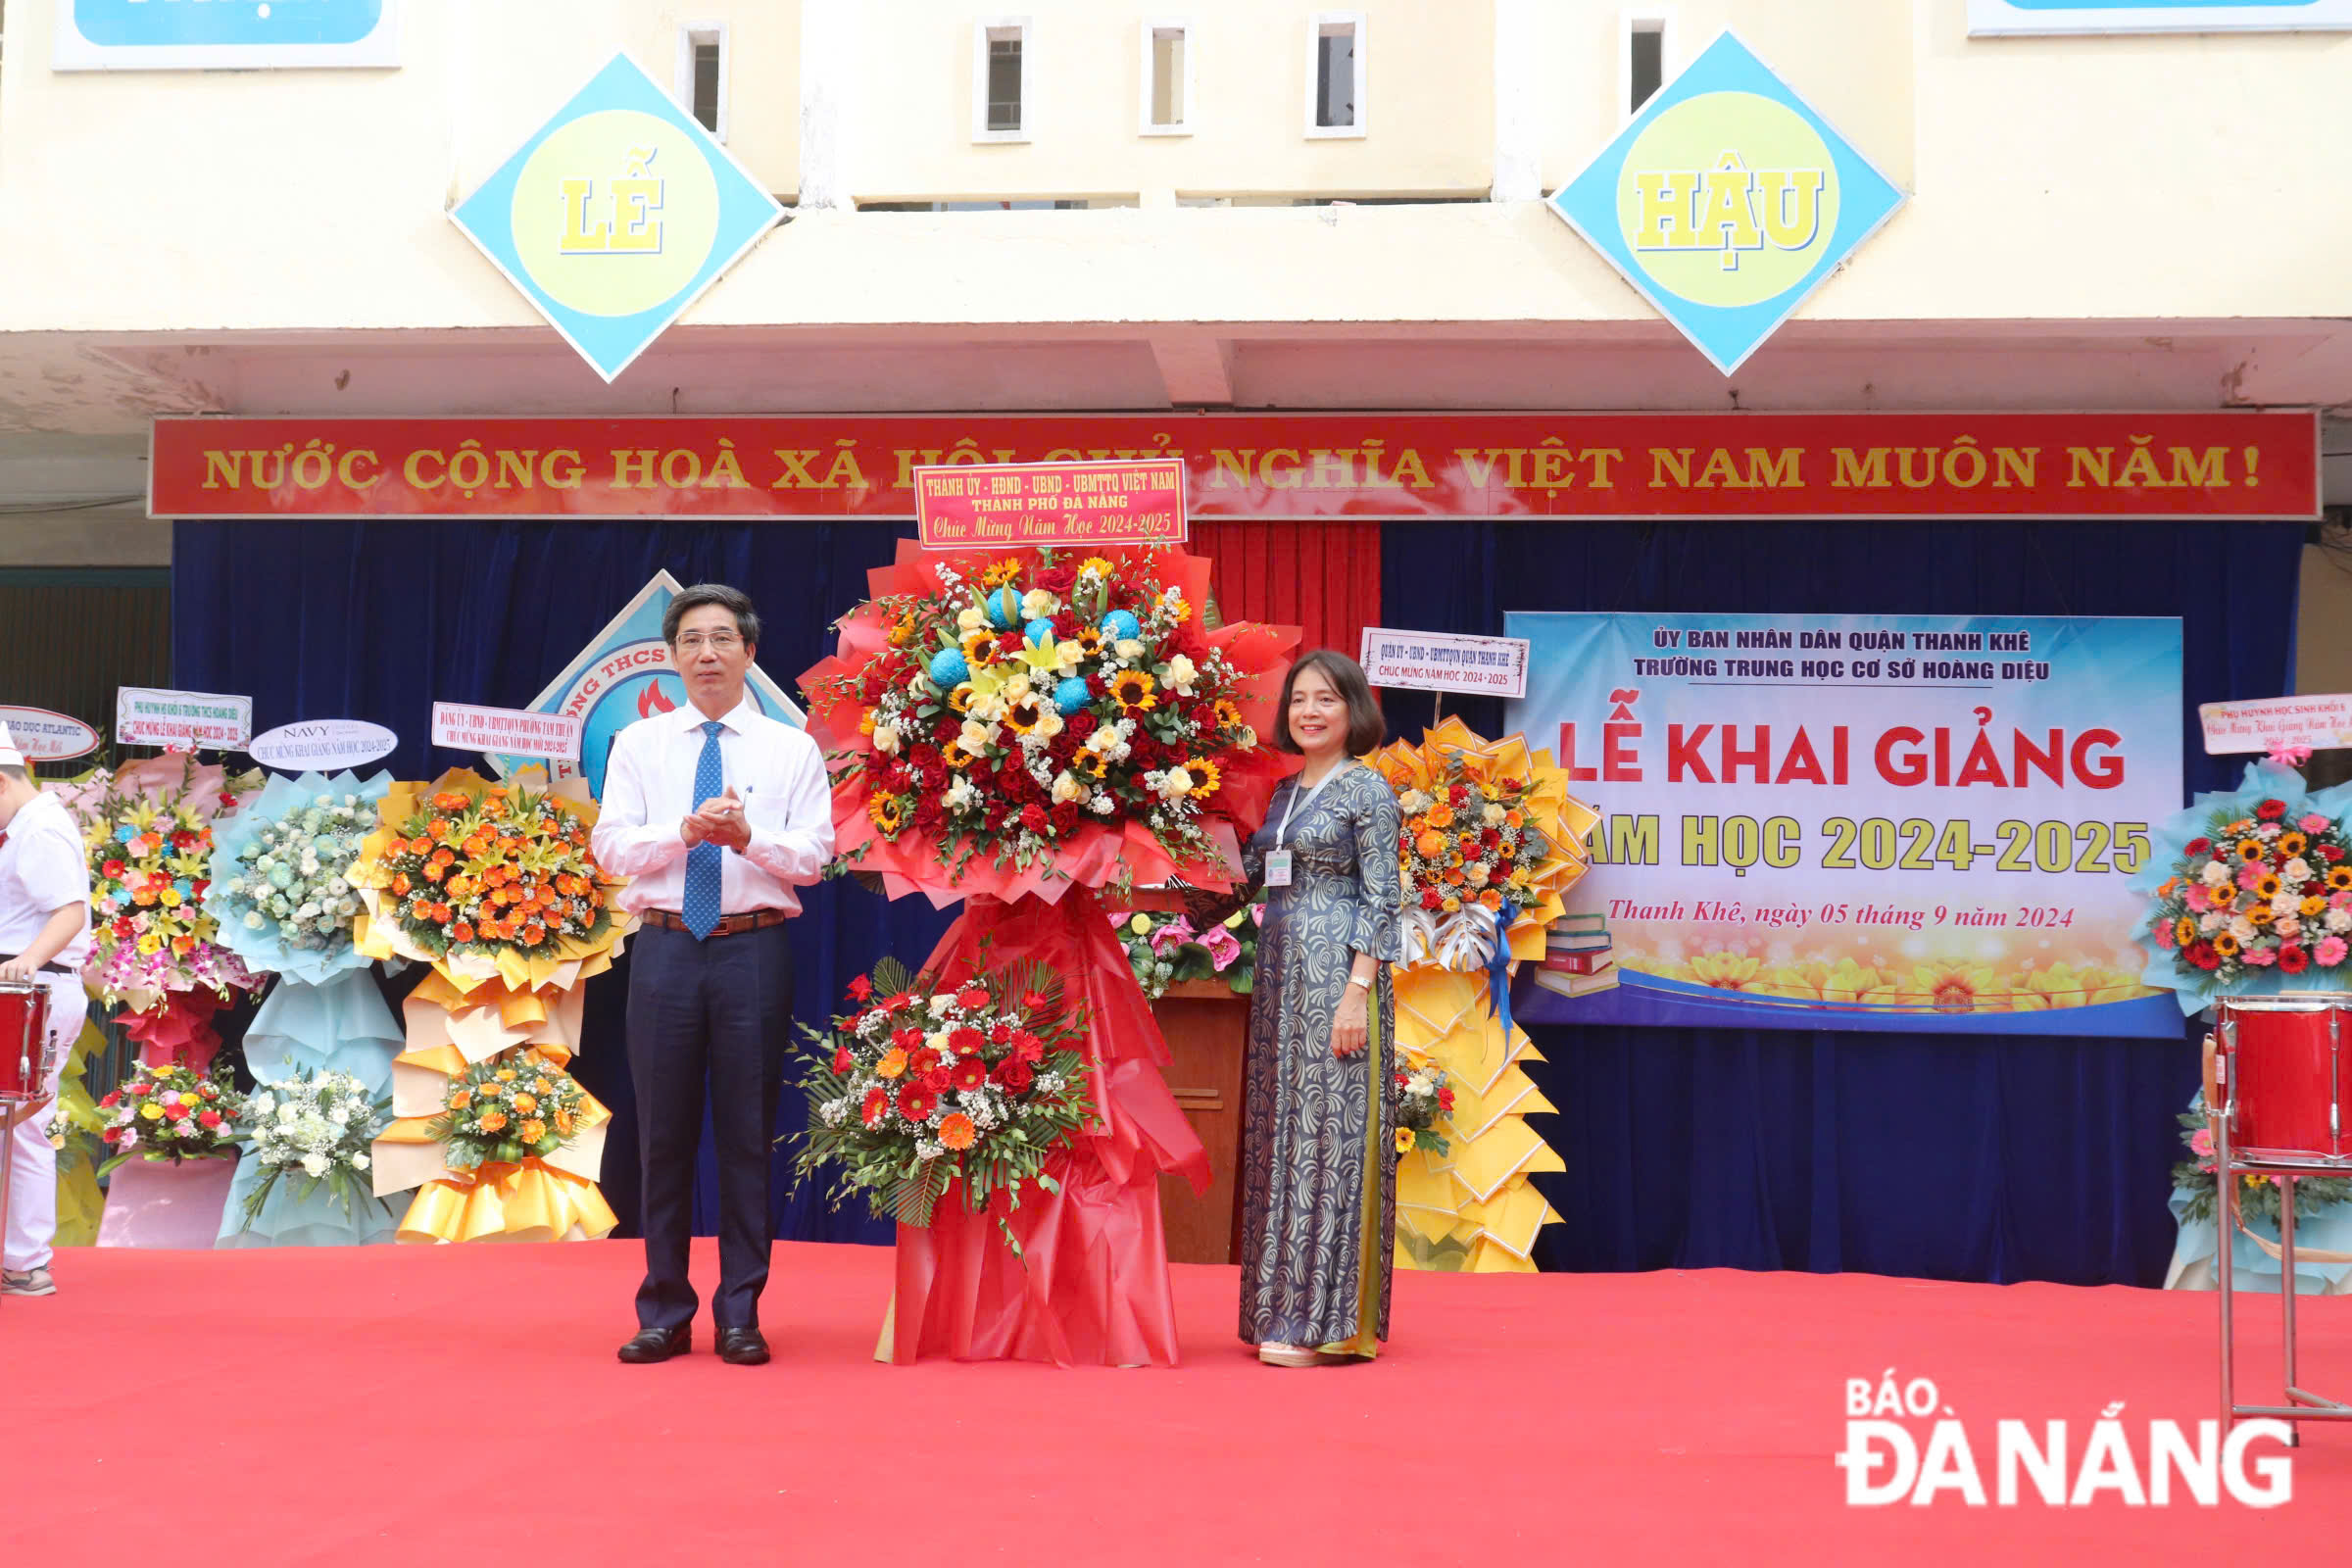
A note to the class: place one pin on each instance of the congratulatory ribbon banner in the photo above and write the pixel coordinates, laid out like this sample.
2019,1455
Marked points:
1352,466
1897,822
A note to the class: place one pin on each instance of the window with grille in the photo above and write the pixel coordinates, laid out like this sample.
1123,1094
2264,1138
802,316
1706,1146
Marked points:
999,81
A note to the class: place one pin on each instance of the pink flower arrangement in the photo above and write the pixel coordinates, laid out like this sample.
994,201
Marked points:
1222,947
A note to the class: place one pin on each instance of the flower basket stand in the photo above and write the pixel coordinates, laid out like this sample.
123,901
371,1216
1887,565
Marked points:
165,1205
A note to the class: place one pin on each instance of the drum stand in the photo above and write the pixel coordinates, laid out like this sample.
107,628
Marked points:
2301,1404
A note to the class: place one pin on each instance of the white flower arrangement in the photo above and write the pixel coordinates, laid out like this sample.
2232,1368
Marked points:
293,877
315,1129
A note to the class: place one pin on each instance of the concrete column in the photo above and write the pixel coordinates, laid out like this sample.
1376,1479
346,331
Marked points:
830,40
1518,78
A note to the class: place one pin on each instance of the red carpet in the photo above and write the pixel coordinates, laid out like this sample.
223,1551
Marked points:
414,1406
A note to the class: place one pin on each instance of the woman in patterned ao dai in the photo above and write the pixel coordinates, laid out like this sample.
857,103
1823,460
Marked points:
1318,1164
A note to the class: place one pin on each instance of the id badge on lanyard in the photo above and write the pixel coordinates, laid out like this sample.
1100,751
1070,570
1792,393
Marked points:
1278,860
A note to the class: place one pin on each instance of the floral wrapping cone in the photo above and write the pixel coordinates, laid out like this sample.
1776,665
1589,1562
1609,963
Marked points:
490,995
1473,1209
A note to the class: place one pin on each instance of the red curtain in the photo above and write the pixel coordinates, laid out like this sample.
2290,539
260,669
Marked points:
1321,576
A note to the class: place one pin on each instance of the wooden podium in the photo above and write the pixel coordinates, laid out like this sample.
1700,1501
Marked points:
1208,1030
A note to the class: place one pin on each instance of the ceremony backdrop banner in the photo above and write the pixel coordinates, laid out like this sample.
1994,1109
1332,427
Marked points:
1264,466
1863,821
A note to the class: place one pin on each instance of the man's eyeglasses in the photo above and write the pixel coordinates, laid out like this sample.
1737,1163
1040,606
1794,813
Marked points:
694,642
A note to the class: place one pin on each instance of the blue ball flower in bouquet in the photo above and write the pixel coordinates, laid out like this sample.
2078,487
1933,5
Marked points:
1071,696
1120,625
1040,632
948,667
1004,608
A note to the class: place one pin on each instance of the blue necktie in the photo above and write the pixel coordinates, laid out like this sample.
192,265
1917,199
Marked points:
705,862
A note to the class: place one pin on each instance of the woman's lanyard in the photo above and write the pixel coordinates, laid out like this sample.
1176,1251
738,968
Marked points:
1278,860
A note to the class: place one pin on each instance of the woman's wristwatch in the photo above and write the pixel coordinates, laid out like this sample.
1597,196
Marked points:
1354,981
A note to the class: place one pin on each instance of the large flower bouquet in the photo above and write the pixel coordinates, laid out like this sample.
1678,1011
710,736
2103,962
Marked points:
1022,723
468,870
172,1112
149,835
1489,841
917,1091
2268,888
284,896
1165,949
508,1110
313,1131
2257,1194
496,887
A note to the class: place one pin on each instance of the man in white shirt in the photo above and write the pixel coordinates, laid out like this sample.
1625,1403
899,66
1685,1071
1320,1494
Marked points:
718,812
44,937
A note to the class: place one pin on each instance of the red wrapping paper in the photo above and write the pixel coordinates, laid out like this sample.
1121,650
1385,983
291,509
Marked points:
179,1028
1093,1287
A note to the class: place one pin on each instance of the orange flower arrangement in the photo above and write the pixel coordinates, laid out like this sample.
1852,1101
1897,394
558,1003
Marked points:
494,1115
480,871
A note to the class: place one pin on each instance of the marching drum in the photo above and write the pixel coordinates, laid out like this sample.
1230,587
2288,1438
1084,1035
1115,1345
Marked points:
23,1042
2283,1063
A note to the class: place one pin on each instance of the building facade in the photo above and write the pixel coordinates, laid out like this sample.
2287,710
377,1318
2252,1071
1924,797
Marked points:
1118,206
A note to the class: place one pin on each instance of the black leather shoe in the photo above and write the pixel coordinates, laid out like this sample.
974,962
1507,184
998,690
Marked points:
657,1345
742,1348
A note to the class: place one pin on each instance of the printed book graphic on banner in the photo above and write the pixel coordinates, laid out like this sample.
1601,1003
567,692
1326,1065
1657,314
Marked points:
625,674
1897,822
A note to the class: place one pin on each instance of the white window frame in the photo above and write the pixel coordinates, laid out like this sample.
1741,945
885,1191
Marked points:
1315,26
691,35
1655,19
1151,27
981,30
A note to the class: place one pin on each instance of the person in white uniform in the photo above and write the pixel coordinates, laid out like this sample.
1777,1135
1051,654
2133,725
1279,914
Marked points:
44,938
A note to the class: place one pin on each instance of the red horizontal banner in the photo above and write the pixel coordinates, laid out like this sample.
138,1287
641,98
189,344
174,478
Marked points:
1300,466
1069,505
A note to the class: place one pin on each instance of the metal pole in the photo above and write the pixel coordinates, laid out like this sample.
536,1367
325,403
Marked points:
8,1162
2286,1291
2225,1220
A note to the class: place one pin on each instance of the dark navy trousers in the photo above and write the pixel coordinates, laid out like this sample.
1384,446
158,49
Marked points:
708,1025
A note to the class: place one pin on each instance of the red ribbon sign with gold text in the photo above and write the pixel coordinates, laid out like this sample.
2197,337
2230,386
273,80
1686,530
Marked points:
1361,466
1062,505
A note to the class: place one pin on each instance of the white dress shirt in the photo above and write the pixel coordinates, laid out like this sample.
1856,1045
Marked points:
42,869
776,771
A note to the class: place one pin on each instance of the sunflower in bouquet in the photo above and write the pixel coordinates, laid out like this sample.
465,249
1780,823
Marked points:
917,1089
1045,718
2267,889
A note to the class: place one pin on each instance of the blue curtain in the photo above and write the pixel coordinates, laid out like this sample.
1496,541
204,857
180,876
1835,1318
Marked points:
378,620
1951,1158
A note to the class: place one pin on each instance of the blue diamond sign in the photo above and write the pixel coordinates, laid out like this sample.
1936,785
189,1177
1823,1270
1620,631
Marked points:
1727,201
615,215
